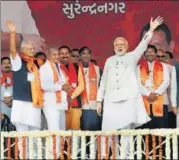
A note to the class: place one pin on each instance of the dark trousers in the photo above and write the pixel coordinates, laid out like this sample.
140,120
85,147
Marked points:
90,121
156,123
171,120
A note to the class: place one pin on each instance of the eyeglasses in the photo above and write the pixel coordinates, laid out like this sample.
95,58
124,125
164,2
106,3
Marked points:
75,56
160,56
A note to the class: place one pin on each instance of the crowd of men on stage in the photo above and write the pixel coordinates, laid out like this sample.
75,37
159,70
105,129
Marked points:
60,88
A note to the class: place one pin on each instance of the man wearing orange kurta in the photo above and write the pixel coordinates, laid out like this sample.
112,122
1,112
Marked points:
154,81
75,79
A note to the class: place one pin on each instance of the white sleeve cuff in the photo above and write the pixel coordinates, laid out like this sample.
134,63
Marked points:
16,62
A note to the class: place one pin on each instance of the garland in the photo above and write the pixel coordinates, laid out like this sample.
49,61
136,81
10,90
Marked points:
167,148
114,147
54,147
2,147
16,154
39,145
9,148
131,147
98,147
106,148
160,148
92,147
171,133
62,142
139,147
24,148
154,147
83,147
122,149
147,147
174,142
74,147
69,147
31,148
47,147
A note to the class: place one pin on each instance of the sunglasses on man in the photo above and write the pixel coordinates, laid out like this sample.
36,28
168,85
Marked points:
75,56
160,56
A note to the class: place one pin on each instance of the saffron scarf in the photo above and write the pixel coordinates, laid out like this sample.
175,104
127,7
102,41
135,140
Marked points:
6,79
37,93
93,84
73,81
56,80
157,106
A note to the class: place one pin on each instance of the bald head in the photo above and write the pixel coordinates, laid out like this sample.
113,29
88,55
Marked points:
120,45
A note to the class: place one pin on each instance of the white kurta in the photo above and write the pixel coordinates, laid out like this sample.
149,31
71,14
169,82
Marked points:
54,113
171,98
149,84
22,111
123,104
122,114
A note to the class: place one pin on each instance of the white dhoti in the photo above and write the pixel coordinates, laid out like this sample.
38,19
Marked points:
127,114
26,118
55,117
24,112
118,115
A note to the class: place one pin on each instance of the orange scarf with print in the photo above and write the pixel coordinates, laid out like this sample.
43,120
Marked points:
93,84
6,79
37,93
56,80
157,106
73,81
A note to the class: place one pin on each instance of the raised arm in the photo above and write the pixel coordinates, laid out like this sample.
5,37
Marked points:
139,50
12,48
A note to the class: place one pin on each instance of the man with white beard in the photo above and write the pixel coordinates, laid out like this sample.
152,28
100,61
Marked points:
119,88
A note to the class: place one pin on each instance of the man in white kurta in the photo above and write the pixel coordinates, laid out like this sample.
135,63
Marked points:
123,103
24,115
54,112
148,89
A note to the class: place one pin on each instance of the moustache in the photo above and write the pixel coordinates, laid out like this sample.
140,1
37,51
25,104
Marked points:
7,67
65,57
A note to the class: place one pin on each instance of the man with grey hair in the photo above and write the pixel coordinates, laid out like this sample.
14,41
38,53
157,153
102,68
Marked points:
27,94
55,87
123,104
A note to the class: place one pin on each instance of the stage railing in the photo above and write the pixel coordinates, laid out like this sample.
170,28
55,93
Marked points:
142,144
